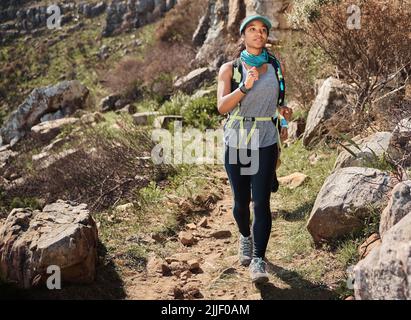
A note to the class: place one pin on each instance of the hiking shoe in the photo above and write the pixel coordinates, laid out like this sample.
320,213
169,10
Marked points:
245,251
257,271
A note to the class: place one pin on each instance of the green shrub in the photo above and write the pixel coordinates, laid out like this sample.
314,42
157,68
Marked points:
29,202
200,112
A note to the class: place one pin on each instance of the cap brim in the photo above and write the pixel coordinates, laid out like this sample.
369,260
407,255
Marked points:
263,19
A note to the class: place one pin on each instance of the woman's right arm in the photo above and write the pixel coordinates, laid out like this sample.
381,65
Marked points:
227,100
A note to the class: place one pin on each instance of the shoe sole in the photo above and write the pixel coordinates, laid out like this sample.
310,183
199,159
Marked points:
245,262
261,279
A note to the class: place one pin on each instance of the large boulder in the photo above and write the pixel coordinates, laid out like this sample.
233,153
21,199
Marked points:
400,144
63,234
67,96
368,149
331,98
386,272
295,130
200,33
124,15
345,200
194,80
398,206
222,20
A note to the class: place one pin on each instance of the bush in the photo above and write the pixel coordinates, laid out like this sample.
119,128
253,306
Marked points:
200,113
304,64
375,59
179,24
99,178
151,77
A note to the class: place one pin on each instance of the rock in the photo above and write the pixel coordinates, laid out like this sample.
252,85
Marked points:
200,33
398,206
63,234
400,143
345,201
234,16
126,15
191,226
330,99
96,10
293,180
370,147
350,298
181,257
192,292
142,118
194,80
129,109
90,118
295,130
372,242
185,275
47,131
156,265
178,293
385,272
52,116
314,158
162,122
177,267
186,238
194,264
221,234
56,143
203,222
45,159
124,207
224,20
112,102
6,156
67,96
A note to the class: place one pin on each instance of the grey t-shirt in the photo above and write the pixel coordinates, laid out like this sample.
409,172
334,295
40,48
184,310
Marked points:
260,101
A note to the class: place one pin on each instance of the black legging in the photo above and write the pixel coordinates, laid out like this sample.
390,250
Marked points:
260,185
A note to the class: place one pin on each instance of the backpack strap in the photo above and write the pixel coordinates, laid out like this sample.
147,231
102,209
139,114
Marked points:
277,67
237,75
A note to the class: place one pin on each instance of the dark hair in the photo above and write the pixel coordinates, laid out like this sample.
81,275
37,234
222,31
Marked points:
240,48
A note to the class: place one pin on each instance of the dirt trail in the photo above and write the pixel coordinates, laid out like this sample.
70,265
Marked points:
220,275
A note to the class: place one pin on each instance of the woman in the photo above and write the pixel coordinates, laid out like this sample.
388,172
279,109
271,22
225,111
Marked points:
251,133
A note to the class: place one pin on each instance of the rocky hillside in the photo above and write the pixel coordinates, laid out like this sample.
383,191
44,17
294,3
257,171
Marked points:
80,188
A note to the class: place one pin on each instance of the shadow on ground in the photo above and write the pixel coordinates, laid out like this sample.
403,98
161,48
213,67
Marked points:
297,214
108,285
299,288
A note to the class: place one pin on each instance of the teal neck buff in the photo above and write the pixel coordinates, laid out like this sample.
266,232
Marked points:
253,60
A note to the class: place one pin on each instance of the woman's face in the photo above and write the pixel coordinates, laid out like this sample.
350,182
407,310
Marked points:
255,34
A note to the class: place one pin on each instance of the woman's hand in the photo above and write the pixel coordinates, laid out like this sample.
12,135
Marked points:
283,134
252,75
286,112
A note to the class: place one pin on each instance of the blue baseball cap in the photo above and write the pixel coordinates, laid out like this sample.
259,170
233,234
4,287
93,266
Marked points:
263,19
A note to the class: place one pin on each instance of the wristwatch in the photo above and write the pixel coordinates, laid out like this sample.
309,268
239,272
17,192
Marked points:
243,89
